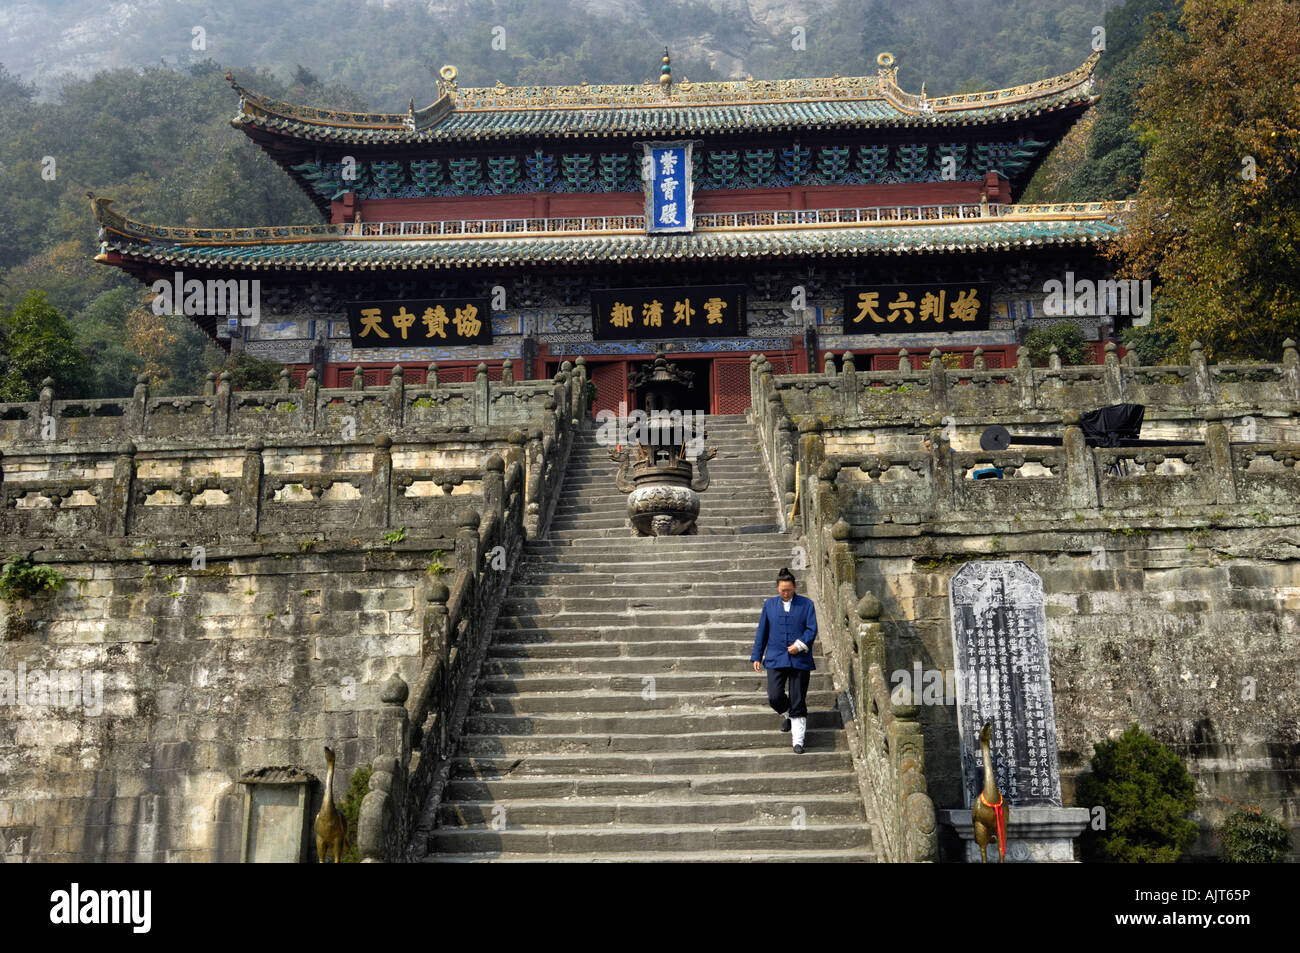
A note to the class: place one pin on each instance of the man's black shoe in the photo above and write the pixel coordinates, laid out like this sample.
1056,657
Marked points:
798,749
785,724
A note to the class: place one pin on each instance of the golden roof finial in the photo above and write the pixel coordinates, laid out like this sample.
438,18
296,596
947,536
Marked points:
666,73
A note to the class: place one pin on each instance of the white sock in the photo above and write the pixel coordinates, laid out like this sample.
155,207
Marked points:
797,728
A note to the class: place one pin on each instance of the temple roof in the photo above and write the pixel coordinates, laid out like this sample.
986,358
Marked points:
378,246
518,112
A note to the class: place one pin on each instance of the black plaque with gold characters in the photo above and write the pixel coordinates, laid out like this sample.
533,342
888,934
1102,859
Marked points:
424,322
895,309
701,311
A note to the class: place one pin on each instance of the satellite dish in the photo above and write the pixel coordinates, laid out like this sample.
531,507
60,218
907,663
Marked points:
996,437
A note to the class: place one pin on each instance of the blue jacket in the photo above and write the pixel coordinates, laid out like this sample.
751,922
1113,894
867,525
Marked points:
778,630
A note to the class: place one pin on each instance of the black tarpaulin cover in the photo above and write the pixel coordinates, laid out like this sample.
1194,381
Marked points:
1107,426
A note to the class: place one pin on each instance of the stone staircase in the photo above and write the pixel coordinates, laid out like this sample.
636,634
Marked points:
617,716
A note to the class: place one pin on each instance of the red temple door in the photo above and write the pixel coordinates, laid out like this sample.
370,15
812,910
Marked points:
611,386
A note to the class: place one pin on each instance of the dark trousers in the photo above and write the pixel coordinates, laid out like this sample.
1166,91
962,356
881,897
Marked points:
796,705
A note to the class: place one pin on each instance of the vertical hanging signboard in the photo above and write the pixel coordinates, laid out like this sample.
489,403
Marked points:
669,194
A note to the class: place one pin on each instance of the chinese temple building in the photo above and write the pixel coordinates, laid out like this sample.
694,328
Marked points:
710,221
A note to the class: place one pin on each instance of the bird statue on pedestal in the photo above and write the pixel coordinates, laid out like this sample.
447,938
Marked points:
990,812
331,826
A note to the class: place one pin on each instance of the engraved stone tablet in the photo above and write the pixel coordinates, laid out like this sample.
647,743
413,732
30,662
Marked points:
999,647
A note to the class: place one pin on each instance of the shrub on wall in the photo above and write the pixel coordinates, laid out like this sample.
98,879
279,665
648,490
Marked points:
253,373
1068,338
1146,794
351,811
1252,837
20,579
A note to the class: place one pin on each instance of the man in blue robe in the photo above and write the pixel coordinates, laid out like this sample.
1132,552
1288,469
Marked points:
783,645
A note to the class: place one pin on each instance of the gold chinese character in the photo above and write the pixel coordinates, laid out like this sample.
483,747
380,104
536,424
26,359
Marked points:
370,318
403,320
932,306
467,325
435,321
713,308
652,314
620,315
964,308
904,305
868,302
683,310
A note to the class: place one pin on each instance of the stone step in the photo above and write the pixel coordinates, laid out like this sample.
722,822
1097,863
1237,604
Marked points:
660,600
733,633
764,809
819,739
719,572
642,839
597,523
848,855
705,529
690,765
576,588
632,609
632,785
580,702
633,667
769,542
755,682
590,651
647,723
684,620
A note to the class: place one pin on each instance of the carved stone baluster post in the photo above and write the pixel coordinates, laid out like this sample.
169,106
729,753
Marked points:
378,503
494,487
1201,387
918,828
137,419
579,409
46,423
311,401
938,382
121,498
849,387
943,477
1080,465
786,449
1219,446
467,522
1025,380
1114,377
1291,374
221,406
482,397
533,498
249,513
397,397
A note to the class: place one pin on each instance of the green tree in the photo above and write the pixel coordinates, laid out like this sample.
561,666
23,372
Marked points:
1068,339
1146,794
37,343
1252,837
1217,218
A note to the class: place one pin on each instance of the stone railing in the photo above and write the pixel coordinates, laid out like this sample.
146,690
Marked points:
887,748
922,480
391,408
418,725
914,392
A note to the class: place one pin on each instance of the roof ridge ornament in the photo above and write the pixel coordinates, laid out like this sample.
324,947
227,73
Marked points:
447,81
666,75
